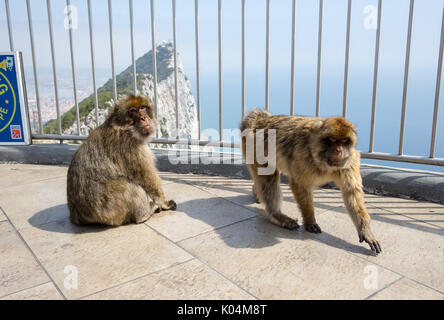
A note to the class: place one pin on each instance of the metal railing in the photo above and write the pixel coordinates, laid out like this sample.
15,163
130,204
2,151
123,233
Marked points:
371,154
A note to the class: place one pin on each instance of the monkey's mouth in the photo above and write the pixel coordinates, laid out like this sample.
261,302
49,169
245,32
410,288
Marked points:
146,129
336,162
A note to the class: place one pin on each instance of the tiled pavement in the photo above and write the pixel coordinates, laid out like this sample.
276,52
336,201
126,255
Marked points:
217,245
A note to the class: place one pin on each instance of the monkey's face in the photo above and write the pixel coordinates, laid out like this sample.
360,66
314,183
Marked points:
136,113
337,143
142,122
337,151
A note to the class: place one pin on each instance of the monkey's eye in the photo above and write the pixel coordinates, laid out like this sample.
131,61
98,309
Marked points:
345,141
142,108
133,110
332,139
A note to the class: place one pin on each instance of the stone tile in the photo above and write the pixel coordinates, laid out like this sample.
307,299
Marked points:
18,268
2,216
428,212
168,177
239,191
45,291
406,289
35,203
191,280
103,257
19,174
274,263
410,247
198,211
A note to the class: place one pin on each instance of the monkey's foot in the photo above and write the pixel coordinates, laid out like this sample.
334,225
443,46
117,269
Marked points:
289,223
170,205
313,228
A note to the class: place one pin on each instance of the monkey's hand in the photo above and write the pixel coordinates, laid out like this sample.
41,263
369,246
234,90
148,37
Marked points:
366,235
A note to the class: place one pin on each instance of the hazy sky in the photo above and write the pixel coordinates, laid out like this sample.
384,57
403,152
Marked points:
425,41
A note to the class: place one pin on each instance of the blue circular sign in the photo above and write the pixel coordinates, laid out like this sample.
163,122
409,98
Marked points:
8,102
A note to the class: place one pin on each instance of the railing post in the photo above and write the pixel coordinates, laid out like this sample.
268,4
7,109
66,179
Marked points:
293,33
96,100
133,58
196,29
375,77
406,77
347,55
437,90
111,42
318,80
54,69
34,66
74,82
176,91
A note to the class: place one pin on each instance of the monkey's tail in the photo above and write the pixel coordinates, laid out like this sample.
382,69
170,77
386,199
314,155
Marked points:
251,117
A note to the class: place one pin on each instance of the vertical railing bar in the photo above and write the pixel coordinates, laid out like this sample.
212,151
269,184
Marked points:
196,29
293,34
375,76
406,78
154,49
243,57
111,41
267,55
8,18
176,93
74,81
318,79
219,14
34,66
54,70
347,56
437,90
133,58
96,101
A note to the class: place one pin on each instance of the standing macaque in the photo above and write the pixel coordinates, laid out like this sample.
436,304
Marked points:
311,152
112,179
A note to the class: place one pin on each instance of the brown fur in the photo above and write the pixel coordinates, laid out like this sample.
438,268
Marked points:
311,151
112,178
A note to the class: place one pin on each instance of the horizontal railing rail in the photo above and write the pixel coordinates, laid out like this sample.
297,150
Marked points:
370,154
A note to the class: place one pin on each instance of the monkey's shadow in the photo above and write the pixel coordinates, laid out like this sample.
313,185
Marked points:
56,219
258,232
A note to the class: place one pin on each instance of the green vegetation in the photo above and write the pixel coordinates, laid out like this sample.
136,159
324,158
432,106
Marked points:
144,65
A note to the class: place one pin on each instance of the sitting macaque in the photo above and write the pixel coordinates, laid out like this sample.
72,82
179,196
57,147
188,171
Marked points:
311,152
112,179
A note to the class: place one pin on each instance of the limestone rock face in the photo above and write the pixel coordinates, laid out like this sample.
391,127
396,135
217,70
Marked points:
166,100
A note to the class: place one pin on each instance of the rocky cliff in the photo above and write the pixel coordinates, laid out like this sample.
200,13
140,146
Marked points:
166,103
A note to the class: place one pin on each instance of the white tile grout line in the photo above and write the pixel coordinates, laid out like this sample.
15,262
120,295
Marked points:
214,229
137,278
32,182
320,210
34,255
21,290
204,263
383,288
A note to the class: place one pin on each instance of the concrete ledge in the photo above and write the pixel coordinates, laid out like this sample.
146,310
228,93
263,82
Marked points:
420,185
